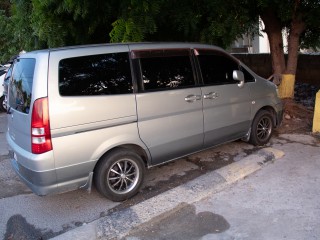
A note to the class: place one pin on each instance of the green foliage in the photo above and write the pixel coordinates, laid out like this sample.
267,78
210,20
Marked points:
5,7
311,12
228,21
34,24
136,20
50,29
16,33
305,11
189,20
21,19
5,29
76,22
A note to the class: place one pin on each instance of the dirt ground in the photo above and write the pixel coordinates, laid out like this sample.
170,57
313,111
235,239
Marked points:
296,118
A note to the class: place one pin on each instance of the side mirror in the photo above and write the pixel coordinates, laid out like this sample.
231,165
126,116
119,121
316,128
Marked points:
239,77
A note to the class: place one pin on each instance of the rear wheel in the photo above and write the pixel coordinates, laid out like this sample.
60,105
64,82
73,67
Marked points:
2,104
262,128
119,175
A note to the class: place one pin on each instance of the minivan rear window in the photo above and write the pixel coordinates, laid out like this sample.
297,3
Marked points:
20,87
103,74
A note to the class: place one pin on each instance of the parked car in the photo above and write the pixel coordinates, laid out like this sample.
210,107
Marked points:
104,113
4,81
3,87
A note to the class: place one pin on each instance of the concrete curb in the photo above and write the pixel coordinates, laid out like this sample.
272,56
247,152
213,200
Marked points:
119,224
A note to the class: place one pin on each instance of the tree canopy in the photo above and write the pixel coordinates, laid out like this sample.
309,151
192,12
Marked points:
299,18
36,24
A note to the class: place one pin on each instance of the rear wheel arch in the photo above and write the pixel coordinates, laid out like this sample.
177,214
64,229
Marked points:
133,147
130,162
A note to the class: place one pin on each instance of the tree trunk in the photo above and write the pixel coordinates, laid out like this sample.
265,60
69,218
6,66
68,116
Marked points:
297,28
286,88
273,29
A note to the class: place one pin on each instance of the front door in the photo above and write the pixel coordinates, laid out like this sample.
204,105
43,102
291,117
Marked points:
169,106
226,106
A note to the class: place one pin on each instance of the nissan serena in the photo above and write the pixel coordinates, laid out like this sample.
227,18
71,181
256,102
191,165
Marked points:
102,114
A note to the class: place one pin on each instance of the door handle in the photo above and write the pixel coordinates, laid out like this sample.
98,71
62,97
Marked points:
211,95
192,98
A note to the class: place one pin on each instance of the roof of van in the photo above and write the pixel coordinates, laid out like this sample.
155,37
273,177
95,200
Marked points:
140,45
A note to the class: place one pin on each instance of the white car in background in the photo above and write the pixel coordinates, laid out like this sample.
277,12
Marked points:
3,72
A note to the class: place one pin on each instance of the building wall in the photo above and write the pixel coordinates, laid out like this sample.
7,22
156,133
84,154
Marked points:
259,43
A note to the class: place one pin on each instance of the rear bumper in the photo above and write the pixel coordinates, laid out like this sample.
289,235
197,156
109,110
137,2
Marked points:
39,174
41,183
36,171
44,183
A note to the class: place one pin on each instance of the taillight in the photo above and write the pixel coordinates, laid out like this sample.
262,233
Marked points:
40,127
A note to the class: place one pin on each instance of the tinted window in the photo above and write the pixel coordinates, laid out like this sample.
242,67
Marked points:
217,69
247,76
9,73
95,75
166,72
21,85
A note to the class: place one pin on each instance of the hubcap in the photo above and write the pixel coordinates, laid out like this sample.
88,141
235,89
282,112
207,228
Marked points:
123,176
264,128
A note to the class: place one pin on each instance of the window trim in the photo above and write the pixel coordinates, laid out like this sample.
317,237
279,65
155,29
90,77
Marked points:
161,52
136,55
216,52
206,51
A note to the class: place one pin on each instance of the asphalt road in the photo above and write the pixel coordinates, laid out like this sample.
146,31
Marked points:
279,202
27,216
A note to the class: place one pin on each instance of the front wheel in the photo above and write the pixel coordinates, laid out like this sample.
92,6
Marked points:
262,128
119,175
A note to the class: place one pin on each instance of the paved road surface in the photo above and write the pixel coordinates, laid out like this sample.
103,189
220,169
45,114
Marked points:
24,214
279,202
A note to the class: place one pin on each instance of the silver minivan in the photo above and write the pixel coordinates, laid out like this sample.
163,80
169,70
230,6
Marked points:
104,113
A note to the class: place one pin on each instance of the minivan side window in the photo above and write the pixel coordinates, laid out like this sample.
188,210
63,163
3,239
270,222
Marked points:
20,87
217,68
166,69
103,74
247,76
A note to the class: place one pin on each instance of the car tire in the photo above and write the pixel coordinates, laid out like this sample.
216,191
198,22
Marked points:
119,174
262,128
2,104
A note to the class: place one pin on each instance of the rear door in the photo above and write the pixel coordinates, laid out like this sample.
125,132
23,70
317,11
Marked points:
20,95
169,104
93,106
226,106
